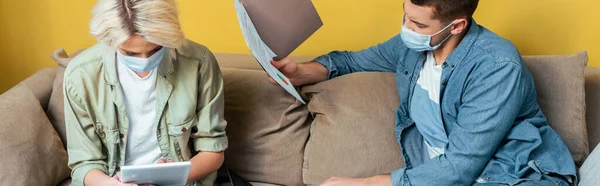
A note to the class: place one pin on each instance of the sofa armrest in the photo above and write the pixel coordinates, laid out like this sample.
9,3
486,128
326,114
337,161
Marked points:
592,94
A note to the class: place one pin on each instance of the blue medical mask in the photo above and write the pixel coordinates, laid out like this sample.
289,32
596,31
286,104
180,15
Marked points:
420,42
139,64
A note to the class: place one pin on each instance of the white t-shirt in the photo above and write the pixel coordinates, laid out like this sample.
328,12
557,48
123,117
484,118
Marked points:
425,108
140,102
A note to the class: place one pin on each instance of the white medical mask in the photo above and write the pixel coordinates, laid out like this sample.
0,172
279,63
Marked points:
420,42
139,64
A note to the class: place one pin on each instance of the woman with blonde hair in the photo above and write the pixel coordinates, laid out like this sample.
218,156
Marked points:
143,95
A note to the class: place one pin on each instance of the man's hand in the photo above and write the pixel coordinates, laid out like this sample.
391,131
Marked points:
300,74
287,67
383,180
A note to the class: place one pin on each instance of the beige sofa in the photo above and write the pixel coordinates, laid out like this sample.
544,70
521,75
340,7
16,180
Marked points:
346,129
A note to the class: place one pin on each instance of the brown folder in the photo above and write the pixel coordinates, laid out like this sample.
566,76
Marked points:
283,24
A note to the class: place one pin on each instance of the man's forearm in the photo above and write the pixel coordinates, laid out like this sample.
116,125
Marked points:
382,180
203,164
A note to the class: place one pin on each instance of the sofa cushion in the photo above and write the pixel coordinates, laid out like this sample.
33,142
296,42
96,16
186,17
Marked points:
31,152
40,85
560,85
251,183
56,106
65,182
247,61
352,134
267,129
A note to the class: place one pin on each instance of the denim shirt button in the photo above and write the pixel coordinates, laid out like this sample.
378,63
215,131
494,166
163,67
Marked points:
445,83
489,178
452,67
406,73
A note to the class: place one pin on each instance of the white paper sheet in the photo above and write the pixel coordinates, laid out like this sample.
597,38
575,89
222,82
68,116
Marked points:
261,51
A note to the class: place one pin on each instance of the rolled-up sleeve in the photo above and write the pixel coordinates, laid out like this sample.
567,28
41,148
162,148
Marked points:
84,147
210,134
398,177
381,58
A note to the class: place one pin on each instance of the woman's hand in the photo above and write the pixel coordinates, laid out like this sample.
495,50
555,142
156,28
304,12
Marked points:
164,160
116,181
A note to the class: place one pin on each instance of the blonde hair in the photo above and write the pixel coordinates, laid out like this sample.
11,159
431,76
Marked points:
115,21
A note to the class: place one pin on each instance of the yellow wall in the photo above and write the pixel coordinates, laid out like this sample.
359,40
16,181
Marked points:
31,29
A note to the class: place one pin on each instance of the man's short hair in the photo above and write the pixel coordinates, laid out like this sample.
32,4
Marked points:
447,10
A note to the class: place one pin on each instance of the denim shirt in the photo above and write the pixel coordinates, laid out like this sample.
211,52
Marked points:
496,130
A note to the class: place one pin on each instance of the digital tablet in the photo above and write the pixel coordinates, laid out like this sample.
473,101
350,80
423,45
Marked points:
174,174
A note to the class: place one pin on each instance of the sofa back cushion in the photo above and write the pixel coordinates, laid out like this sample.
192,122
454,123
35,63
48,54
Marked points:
560,85
267,129
40,85
353,133
31,152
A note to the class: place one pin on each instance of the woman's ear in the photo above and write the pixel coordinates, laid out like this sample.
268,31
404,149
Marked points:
460,25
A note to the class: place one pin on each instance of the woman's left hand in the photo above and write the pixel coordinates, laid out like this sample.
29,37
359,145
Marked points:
164,160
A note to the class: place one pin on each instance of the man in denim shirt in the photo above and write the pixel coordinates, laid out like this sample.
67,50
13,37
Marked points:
468,113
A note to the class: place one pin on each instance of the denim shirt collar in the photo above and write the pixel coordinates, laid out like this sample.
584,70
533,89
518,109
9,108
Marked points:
465,45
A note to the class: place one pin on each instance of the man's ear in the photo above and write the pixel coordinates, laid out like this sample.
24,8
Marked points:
460,26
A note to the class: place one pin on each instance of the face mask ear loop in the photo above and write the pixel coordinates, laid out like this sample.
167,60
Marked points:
443,41
445,28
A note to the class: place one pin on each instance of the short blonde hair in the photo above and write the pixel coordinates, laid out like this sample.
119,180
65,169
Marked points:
115,21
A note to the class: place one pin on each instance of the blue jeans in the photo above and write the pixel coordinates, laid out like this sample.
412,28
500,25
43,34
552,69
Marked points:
590,170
